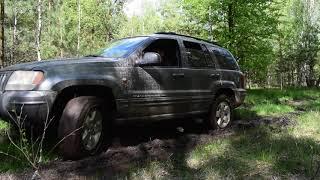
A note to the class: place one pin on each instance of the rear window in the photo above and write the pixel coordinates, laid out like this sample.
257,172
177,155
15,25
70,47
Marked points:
196,56
225,59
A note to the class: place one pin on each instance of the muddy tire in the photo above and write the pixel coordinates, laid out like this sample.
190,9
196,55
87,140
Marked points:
83,128
221,113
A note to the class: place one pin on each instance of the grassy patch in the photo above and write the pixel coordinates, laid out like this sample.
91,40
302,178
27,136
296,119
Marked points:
308,126
275,102
262,96
12,162
259,153
3,127
12,159
152,170
269,109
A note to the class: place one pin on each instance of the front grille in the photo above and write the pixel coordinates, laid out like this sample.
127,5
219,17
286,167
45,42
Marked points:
3,79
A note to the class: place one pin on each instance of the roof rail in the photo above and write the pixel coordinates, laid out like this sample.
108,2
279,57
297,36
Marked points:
199,39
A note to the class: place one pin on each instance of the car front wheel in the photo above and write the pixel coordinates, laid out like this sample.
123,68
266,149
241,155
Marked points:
82,128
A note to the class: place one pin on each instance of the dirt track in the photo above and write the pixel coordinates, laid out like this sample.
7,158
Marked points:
136,144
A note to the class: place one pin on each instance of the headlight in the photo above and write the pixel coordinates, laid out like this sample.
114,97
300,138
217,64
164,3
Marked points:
24,80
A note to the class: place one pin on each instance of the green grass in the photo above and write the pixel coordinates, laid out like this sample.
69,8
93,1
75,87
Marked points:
3,127
308,126
12,160
9,163
274,102
259,153
270,109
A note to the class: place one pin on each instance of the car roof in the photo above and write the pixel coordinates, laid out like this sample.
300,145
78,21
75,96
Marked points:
184,37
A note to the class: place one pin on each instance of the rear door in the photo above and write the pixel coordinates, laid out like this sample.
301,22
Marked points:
203,76
227,65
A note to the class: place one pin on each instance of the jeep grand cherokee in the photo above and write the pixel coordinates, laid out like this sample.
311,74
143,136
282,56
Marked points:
156,77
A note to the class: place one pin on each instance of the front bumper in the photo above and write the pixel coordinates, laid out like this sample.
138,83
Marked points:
31,107
240,95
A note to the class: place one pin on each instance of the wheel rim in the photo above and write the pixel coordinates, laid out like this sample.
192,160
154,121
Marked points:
92,130
223,114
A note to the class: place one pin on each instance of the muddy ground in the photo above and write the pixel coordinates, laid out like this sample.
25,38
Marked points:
137,144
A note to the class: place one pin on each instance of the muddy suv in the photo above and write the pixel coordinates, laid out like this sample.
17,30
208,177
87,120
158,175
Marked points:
149,78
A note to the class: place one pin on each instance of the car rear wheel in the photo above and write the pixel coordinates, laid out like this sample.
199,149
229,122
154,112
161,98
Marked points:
83,128
221,113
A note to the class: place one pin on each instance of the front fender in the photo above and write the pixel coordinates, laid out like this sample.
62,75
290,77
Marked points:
115,86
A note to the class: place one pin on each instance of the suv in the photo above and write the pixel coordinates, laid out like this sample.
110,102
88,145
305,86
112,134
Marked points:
156,77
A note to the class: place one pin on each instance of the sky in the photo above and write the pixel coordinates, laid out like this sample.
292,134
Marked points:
136,7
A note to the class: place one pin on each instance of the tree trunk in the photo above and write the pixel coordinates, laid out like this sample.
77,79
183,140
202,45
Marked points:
231,23
14,33
318,82
61,38
79,27
2,51
39,27
210,24
61,26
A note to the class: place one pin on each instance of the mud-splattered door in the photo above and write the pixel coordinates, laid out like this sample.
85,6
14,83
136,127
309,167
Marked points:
158,92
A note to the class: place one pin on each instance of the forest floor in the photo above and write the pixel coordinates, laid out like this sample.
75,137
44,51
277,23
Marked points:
275,135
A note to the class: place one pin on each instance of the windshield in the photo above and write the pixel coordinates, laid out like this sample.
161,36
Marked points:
121,48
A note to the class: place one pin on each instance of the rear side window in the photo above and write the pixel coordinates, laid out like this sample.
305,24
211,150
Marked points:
225,59
210,61
196,56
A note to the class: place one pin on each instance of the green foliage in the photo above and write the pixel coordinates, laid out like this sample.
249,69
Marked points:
3,127
277,42
245,27
298,42
12,162
59,33
168,17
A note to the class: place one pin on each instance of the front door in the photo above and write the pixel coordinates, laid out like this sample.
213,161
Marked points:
159,89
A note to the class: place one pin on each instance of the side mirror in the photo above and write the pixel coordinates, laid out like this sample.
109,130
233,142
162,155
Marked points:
238,59
150,58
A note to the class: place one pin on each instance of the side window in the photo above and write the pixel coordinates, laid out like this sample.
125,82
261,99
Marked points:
230,61
210,60
169,51
196,56
225,59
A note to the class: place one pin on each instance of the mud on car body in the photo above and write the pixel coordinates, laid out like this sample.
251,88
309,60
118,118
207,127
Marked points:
161,76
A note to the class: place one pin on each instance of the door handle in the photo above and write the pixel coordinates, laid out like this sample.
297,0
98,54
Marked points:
215,76
178,74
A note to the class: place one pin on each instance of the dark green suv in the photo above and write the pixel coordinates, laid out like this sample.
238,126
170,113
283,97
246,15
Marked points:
156,77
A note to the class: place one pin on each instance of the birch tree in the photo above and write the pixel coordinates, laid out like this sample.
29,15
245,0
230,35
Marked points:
2,51
14,31
79,26
39,27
